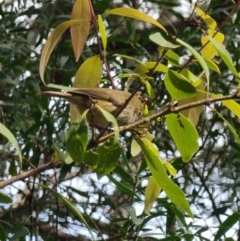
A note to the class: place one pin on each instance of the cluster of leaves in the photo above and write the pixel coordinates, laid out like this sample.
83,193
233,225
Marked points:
185,90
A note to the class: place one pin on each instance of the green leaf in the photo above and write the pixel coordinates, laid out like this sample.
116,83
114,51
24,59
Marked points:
224,54
229,126
91,158
193,114
199,58
70,206
79,32
108,156
232,105
174,193
152,192
18,232
77,139
211,65
177,86
172,57
184,135
103,33
4,131
122,187
136,14
180,216
5,198
159,40
227,224
3,236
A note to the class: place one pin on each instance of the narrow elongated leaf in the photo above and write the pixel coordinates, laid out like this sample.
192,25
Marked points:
79,32
226,225
70,206
174,193
225,56
159,40
146,67
184,135
103,33
152,192
199,58
177,86
52,42
3,236
230,127
137,221
233,106
136,14
8,134
211,65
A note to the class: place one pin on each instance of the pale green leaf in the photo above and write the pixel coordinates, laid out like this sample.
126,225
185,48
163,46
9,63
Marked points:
152,192
199,58
225,56
8,134
211,65
159,40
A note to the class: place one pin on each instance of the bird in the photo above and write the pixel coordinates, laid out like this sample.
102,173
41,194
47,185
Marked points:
110,100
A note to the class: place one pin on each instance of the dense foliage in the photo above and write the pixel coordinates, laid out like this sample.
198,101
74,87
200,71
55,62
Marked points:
48,195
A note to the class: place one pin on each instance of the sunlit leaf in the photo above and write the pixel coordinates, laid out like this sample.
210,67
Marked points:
52,42
225,55
178,86
80,31
174,193
103,33
209,51
136,14
184,135
152,192
8,134
199,58
159,40
206,18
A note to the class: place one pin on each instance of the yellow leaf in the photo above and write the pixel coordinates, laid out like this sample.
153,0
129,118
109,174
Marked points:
209,51
88,75
136,14
51,43
206,18
80,31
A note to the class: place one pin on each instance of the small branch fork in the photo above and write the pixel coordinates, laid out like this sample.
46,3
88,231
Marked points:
167,109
